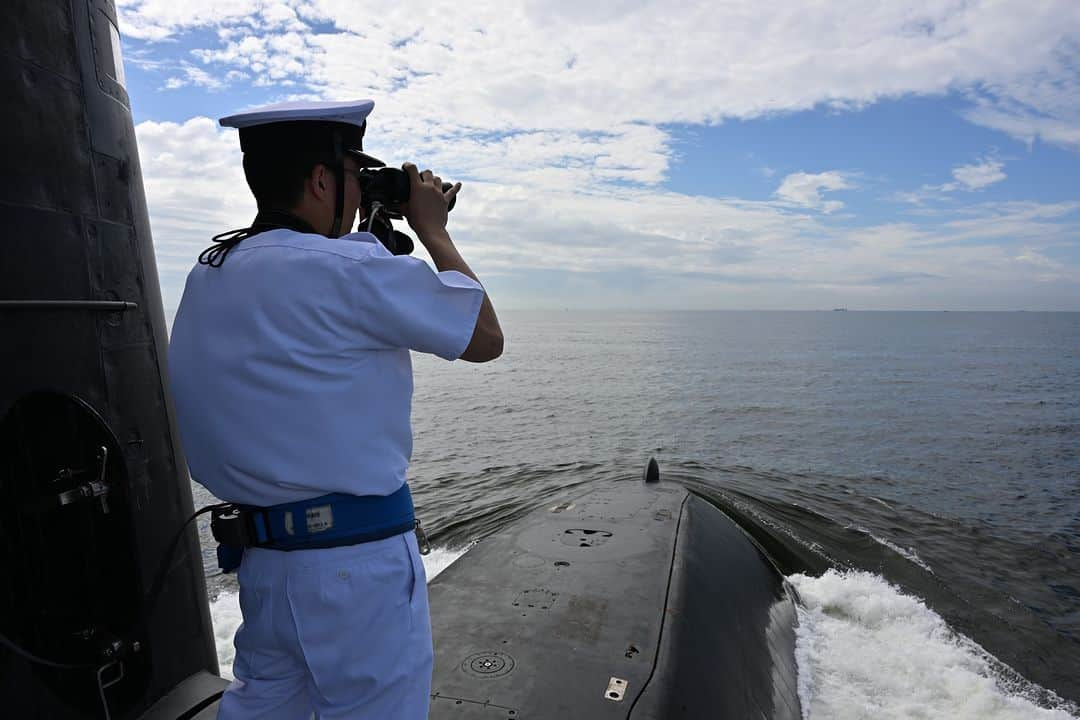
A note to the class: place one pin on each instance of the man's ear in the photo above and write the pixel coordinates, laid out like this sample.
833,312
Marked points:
319,181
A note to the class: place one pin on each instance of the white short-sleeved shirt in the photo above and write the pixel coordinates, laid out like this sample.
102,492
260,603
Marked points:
290,366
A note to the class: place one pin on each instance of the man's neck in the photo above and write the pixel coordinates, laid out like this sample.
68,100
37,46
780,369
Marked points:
312,217
268,219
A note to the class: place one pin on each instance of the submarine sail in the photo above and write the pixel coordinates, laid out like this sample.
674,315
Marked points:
93,486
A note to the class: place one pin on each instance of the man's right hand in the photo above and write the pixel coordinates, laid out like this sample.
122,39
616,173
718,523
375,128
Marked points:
426,213
428,205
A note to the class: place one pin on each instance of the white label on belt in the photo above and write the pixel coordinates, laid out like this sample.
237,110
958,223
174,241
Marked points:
288,523
319,518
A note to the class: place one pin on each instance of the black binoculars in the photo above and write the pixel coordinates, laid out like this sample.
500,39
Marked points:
389,187
383,191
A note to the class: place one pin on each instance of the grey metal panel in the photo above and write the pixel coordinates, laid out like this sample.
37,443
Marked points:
452,708
641,590
728,638
210,712
43,36
539,618
198,691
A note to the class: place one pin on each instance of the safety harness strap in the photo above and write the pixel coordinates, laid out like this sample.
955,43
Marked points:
339,174
322,522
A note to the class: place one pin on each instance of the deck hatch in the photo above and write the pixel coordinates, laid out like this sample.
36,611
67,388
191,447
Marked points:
585,537
488,664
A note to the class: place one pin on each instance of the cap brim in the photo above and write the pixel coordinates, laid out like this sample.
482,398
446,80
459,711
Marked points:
364,159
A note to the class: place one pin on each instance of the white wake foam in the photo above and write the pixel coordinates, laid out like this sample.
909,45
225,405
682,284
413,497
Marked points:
864,650
907,553
225,611
867,650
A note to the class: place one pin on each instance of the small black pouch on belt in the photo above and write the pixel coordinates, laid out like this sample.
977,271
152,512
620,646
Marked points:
230,528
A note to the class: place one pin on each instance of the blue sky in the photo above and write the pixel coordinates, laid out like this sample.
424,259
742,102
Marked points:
640,154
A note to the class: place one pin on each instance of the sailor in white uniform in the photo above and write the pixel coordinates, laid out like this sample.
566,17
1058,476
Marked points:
291,376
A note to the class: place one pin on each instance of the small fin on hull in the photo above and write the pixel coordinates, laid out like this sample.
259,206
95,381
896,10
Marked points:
652,472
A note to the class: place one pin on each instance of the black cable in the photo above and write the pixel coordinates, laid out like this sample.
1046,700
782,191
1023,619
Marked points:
155,592
26,654
103,686
163,567
151,601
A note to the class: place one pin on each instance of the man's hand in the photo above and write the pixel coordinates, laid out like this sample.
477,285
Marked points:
427,206
426,213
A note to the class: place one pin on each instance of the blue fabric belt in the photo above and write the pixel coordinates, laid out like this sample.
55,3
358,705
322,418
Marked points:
332,520
322,522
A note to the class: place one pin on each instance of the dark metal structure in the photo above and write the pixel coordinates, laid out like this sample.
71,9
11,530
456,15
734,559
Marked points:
638,601
93,487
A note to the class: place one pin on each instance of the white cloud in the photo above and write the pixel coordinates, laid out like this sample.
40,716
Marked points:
572,65
555,115
977,175
1043,104
804,190
1027,124
1032,257
974,176
191,75
271,59
195,188
161,19
680,250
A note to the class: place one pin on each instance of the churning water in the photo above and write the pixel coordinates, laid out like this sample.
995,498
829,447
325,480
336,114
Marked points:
916,475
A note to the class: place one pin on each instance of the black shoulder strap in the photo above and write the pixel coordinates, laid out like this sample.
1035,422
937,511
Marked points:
264,220
339,174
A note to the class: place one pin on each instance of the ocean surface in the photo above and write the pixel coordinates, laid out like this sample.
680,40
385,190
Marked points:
916,474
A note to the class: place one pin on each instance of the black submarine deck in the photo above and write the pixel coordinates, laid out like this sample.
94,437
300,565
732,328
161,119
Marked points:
637,600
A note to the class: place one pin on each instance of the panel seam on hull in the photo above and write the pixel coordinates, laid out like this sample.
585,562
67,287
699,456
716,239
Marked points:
44,69
663,617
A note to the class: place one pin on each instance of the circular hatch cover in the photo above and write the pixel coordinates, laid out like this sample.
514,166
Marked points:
488,664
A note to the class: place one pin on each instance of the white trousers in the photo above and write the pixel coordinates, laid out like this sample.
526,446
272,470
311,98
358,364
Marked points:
342,633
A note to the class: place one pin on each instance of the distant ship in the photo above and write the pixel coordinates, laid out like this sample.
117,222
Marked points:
839,309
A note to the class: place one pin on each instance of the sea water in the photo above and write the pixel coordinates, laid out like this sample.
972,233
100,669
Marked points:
928,462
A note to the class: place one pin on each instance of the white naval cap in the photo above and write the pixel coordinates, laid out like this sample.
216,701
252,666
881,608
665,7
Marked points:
305,126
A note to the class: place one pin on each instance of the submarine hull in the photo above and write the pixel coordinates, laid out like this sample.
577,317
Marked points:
93,486
637,601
